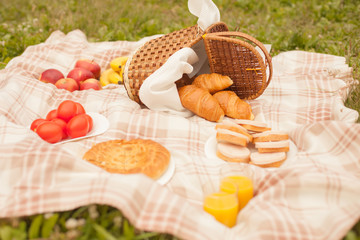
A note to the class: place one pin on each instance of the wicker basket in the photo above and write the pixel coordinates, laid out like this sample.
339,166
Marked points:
154,53
234,54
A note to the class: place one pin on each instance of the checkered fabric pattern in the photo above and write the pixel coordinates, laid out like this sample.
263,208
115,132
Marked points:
314,196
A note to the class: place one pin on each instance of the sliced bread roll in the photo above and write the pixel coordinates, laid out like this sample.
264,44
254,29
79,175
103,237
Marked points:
269,147
225,135
266,160
270,136
251,125
232,153
232,126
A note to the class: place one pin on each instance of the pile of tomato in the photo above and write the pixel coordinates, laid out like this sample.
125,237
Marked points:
68,120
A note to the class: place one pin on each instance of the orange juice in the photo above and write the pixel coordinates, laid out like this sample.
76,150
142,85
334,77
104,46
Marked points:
223,206
244,189
228,186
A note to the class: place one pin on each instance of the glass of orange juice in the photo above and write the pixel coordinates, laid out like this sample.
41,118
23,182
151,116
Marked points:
222,205
245,189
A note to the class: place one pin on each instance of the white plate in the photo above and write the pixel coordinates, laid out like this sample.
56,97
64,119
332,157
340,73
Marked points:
210,151
100,125
170,170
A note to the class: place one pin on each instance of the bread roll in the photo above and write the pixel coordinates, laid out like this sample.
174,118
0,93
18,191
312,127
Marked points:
225,135
270,136
270,146
230,125
254,126
266,160
232,153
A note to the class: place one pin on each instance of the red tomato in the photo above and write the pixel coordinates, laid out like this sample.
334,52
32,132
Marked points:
51,115
90,120
36,123
78,126
62,124
66,110
49,131
79,108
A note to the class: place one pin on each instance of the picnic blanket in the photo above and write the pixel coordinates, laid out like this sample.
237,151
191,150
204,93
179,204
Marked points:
315,195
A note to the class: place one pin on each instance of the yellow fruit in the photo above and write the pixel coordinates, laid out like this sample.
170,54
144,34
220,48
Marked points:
115,77
104,77
117,64
110,76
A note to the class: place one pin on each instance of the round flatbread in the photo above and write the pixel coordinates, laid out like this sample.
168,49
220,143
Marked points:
134,156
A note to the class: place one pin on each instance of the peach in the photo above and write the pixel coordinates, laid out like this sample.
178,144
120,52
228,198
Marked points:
80,74
90,65
68,84
91,83
62,124
51,115
51,75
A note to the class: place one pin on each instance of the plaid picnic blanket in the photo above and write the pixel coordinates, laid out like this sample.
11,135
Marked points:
314,196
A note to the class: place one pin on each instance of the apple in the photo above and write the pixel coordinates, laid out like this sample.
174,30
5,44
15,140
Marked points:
68,84
51,75
80,74
90,65
91,83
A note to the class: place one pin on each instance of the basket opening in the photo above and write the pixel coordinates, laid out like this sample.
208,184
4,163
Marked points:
237,58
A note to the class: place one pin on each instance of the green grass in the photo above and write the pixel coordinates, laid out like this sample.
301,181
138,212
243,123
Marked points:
98,222
324,26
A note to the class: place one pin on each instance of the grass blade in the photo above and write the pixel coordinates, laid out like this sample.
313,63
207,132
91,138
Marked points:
49,225
34,229
103,233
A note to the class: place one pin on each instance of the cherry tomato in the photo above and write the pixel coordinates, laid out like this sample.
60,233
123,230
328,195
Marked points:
51,115
78,126
49,131
79,108
62,124
66,110
90,120
36,123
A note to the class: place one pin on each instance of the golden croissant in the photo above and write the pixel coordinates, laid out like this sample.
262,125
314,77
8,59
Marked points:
212,82
233,106
201,102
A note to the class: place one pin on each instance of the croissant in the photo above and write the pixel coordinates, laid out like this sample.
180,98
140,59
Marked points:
201,102
213,82
233,106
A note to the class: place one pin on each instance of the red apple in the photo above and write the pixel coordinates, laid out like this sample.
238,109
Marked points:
91,83
51,76
80,74
90,65
68,84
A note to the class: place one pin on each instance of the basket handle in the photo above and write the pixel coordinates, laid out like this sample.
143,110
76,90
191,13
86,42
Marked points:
268,62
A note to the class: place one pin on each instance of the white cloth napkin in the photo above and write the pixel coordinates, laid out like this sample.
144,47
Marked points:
158,92
206,11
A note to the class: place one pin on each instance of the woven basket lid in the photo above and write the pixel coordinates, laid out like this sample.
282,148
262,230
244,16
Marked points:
154,53
234,54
